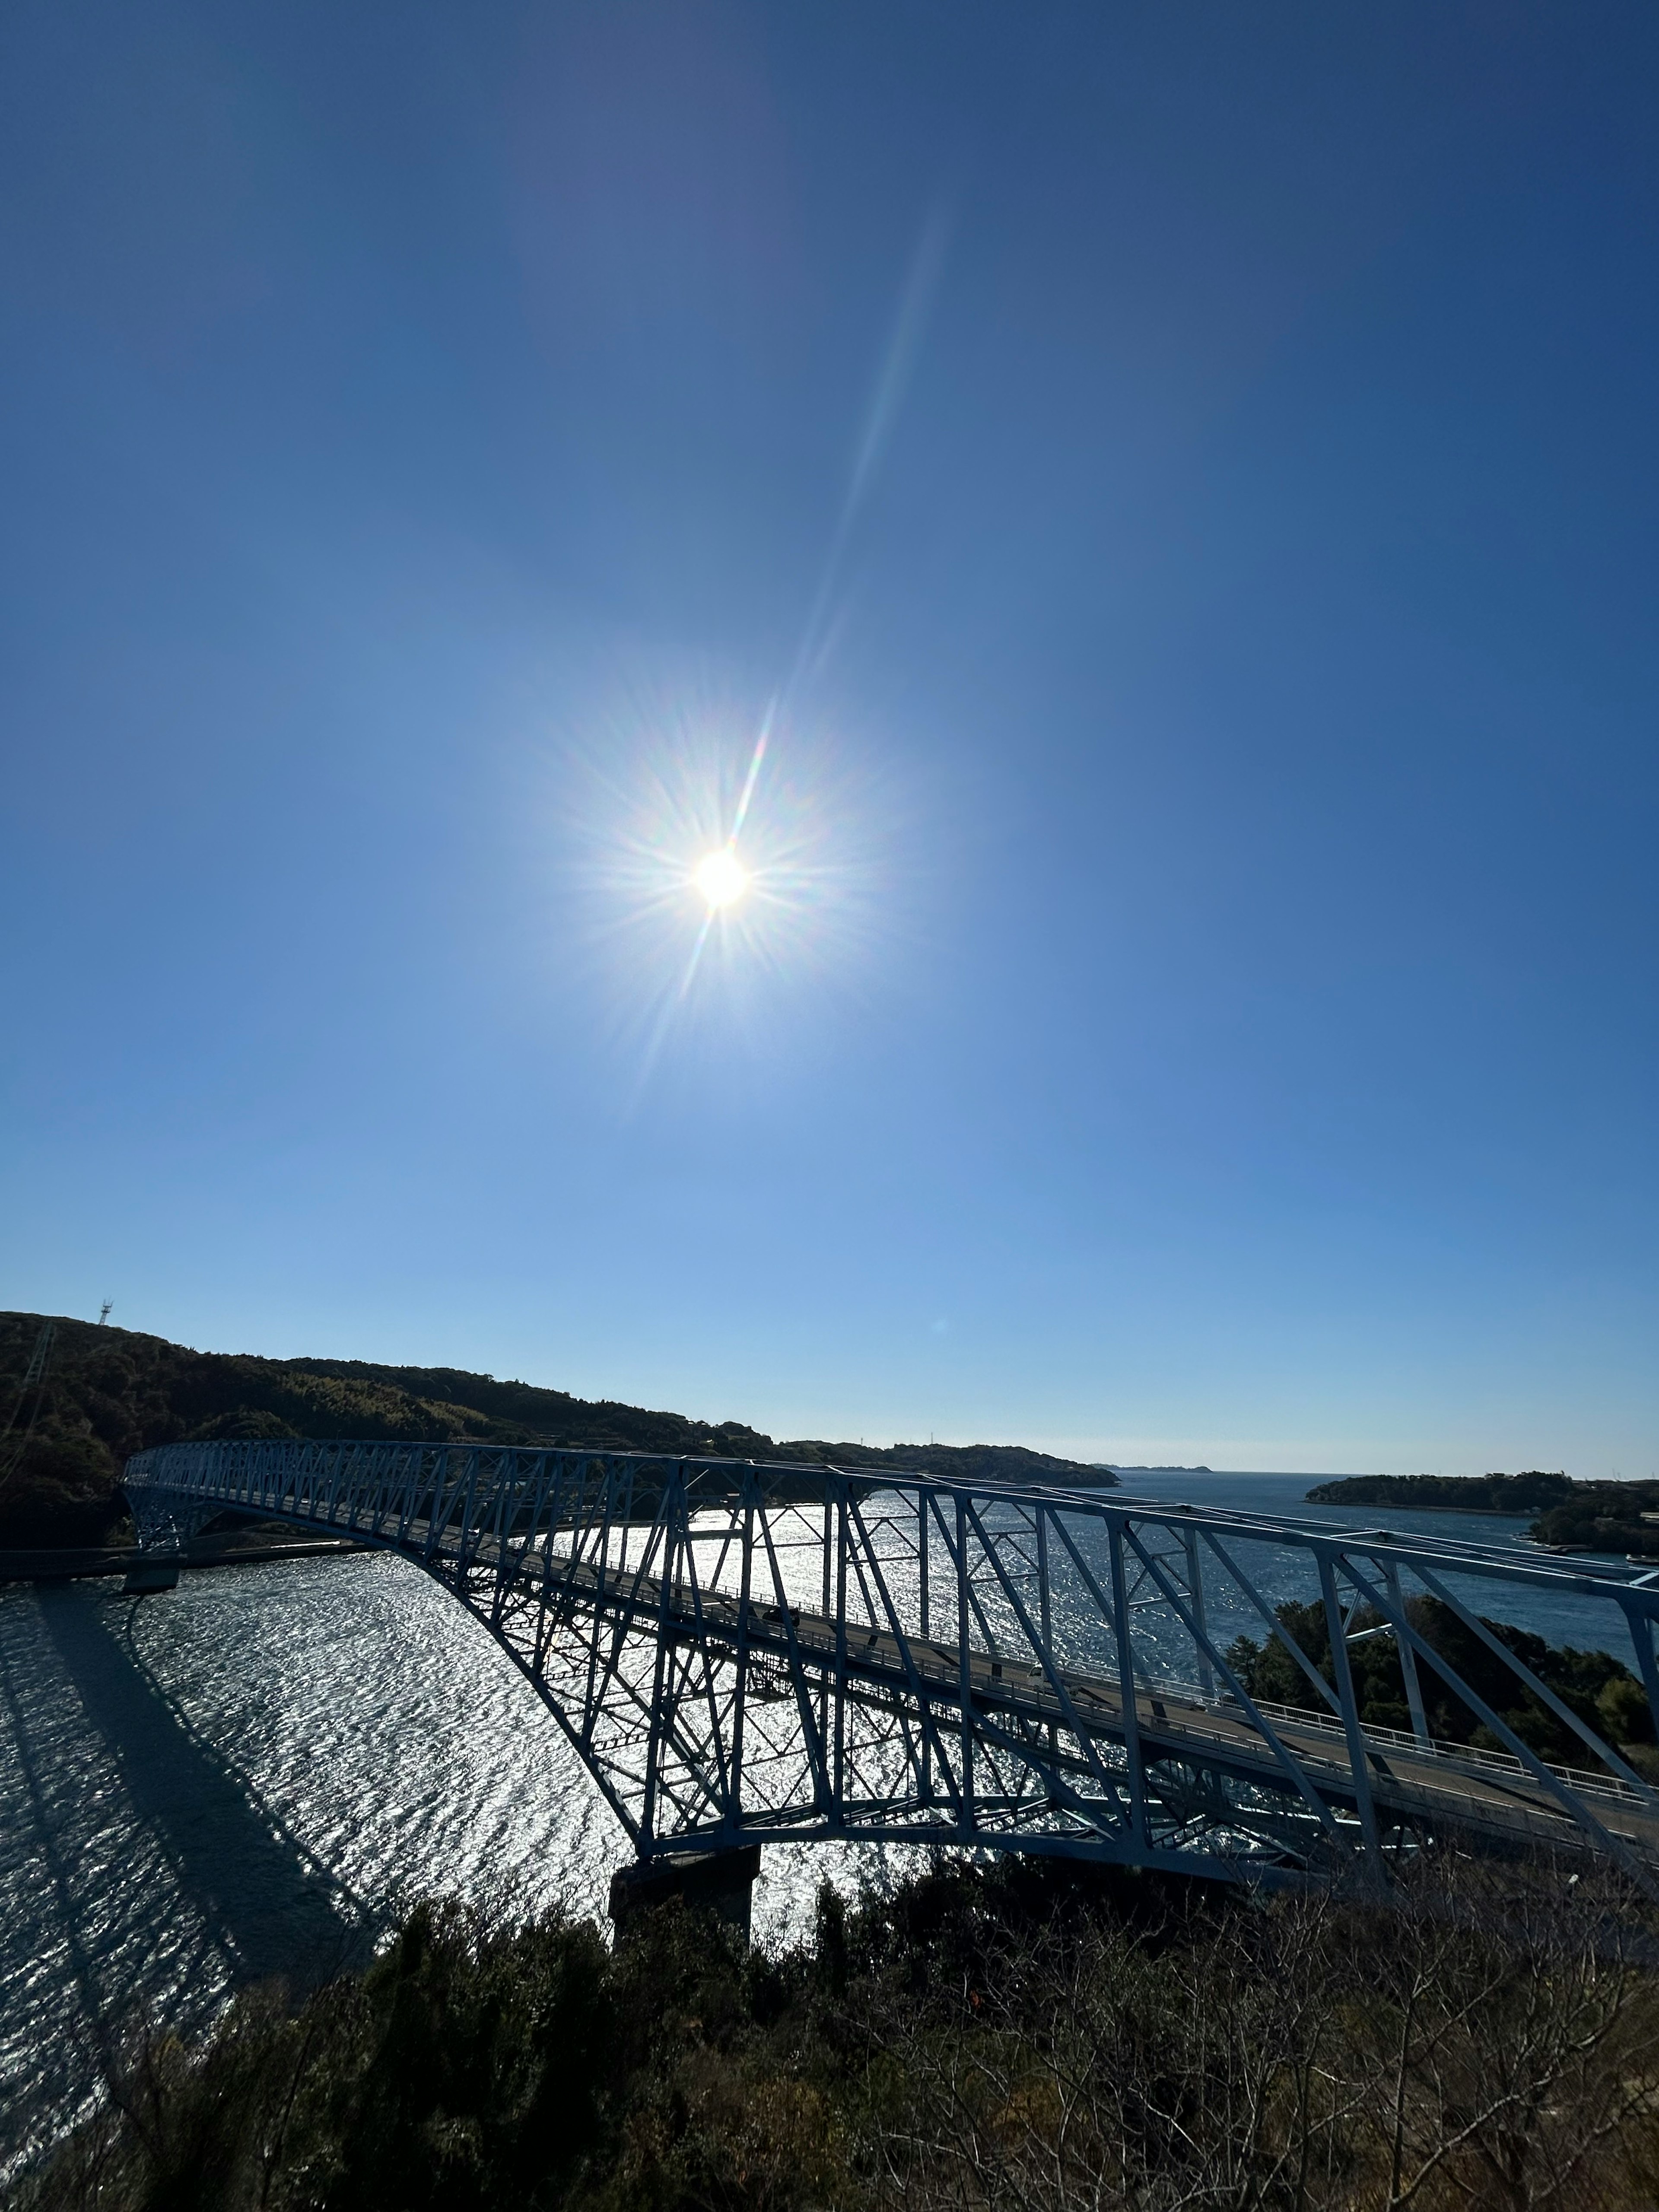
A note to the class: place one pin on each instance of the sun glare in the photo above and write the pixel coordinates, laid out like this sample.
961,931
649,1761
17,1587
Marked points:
721,878
721,881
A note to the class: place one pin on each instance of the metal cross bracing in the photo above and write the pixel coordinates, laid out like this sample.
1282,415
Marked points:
747,1653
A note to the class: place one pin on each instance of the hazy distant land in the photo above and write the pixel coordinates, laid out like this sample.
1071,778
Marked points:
1118,1467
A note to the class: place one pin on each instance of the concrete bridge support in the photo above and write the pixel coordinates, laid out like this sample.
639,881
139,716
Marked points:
721,1882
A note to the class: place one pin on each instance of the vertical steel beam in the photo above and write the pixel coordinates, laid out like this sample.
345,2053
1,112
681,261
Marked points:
1408,1662
1358,1758
1045,1606
965,1812
1639,1622
1195,1599
923,1618
1046,1614
825,1562
600,1570
661,1716
840,1812
734,1810
1125,1677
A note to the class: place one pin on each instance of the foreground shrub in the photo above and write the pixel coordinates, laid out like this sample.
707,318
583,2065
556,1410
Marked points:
1011,2037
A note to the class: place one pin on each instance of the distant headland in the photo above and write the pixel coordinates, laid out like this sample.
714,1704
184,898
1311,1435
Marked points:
1570,1515
1534,1492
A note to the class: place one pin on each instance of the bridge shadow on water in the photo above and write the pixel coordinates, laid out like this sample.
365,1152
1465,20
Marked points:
259,1897
144,1878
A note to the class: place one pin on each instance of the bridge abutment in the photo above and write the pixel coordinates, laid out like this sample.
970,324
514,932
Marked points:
721,1882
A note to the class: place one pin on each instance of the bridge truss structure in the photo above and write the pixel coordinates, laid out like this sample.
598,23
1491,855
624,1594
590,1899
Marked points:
748,1654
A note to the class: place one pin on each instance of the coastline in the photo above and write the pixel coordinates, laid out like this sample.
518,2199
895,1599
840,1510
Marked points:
84,1562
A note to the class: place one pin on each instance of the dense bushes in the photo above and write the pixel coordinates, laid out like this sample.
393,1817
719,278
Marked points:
1593,1685
1015,2037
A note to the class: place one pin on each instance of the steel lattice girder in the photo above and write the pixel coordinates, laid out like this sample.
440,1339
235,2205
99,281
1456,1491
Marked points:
745,1652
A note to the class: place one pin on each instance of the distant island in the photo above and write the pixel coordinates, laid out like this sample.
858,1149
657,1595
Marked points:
108,1392
1117,1467
1456,1493
1570,1515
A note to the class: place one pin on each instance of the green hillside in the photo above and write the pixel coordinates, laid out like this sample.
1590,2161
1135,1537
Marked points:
110,1392
1605,1517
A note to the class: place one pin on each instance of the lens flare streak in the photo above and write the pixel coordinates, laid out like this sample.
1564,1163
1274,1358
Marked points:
797,889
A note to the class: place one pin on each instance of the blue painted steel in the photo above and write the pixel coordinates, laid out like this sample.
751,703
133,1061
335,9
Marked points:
746,1653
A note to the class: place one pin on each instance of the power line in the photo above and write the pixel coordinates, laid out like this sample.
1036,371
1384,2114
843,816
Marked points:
35,1378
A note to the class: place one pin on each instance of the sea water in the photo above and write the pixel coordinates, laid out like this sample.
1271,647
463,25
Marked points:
253,1775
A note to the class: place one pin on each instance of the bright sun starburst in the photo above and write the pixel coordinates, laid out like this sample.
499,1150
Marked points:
721,878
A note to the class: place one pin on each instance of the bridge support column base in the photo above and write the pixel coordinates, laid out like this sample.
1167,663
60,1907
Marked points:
144,1575
721,1882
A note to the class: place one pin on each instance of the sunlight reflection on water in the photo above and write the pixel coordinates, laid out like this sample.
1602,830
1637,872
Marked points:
253,1775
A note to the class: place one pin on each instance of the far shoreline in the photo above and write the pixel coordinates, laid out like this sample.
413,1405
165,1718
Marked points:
1486,1512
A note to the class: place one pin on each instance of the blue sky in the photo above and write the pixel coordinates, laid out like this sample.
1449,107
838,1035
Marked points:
1177,486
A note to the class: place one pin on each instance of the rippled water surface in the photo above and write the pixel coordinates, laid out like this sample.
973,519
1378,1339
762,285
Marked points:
249,1775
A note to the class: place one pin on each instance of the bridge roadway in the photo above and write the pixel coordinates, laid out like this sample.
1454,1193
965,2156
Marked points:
1447,1783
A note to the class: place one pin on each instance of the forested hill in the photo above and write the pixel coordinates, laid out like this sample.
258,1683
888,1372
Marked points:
1534,1492
110,1392
1617,1518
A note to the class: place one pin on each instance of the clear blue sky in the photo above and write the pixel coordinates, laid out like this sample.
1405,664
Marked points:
1182,482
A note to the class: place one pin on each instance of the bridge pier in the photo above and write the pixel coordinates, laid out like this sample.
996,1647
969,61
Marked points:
166,1527
158,1571
721,1882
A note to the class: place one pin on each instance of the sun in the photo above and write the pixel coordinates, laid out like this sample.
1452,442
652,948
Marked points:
721,877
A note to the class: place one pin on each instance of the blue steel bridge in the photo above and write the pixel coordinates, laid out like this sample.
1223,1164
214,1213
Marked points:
746,1654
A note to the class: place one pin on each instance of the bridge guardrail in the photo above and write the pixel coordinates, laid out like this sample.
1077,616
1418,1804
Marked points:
1450,1755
